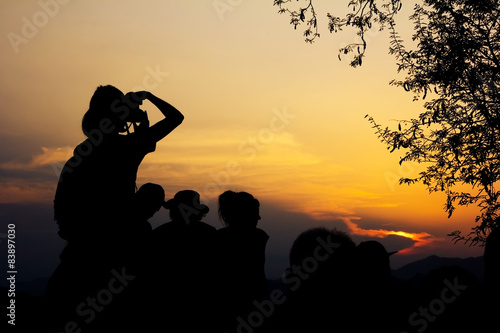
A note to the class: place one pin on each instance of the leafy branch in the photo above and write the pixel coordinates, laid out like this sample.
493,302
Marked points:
456,66
365,14
305,15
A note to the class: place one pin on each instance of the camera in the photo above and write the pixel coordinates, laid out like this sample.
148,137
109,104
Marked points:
135,119
136,116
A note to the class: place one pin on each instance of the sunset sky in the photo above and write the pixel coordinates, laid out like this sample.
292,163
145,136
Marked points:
264,113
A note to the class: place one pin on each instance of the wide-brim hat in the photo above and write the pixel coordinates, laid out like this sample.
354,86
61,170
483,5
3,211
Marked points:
187,199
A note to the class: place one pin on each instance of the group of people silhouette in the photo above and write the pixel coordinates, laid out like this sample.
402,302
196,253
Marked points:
117,274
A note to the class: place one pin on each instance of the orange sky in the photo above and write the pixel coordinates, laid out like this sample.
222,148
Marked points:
264,111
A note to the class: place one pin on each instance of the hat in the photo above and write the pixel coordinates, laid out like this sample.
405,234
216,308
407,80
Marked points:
189,200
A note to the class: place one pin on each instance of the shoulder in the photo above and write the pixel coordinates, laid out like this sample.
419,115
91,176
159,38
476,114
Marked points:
261,235
164,228
224,231
144,137
261,232
243,234
201,231
225,235
207,227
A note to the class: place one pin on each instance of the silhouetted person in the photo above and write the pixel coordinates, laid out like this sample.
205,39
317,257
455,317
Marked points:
97,184
95,194
320,282
183,281
492,260
448,301
242,249
148,200
491,279
127,312
374,298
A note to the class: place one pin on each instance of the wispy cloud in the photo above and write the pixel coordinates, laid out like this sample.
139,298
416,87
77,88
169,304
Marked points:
34,180
27,191
421,239
48,156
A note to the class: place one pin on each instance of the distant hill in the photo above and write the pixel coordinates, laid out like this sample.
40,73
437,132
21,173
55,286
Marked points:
412,271
474,265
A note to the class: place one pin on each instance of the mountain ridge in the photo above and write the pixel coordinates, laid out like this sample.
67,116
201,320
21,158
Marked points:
412,271
474,265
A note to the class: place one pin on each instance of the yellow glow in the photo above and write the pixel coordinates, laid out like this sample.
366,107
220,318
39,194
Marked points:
264,111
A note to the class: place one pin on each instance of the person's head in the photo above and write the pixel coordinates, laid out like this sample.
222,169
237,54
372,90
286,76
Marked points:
325,257
238,209
185,206
102,114
492,258
149,199
312,242
372,261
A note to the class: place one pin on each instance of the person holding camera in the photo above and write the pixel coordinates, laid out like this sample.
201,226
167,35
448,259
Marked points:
97,183
96,190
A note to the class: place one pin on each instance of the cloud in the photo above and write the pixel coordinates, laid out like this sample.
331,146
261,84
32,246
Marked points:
421,240
27,191
34,180
282,173
277,169
48,156
216,160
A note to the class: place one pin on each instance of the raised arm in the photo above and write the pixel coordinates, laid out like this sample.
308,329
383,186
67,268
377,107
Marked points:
173,117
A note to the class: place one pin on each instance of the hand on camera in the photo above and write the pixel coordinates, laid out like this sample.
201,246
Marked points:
137,96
